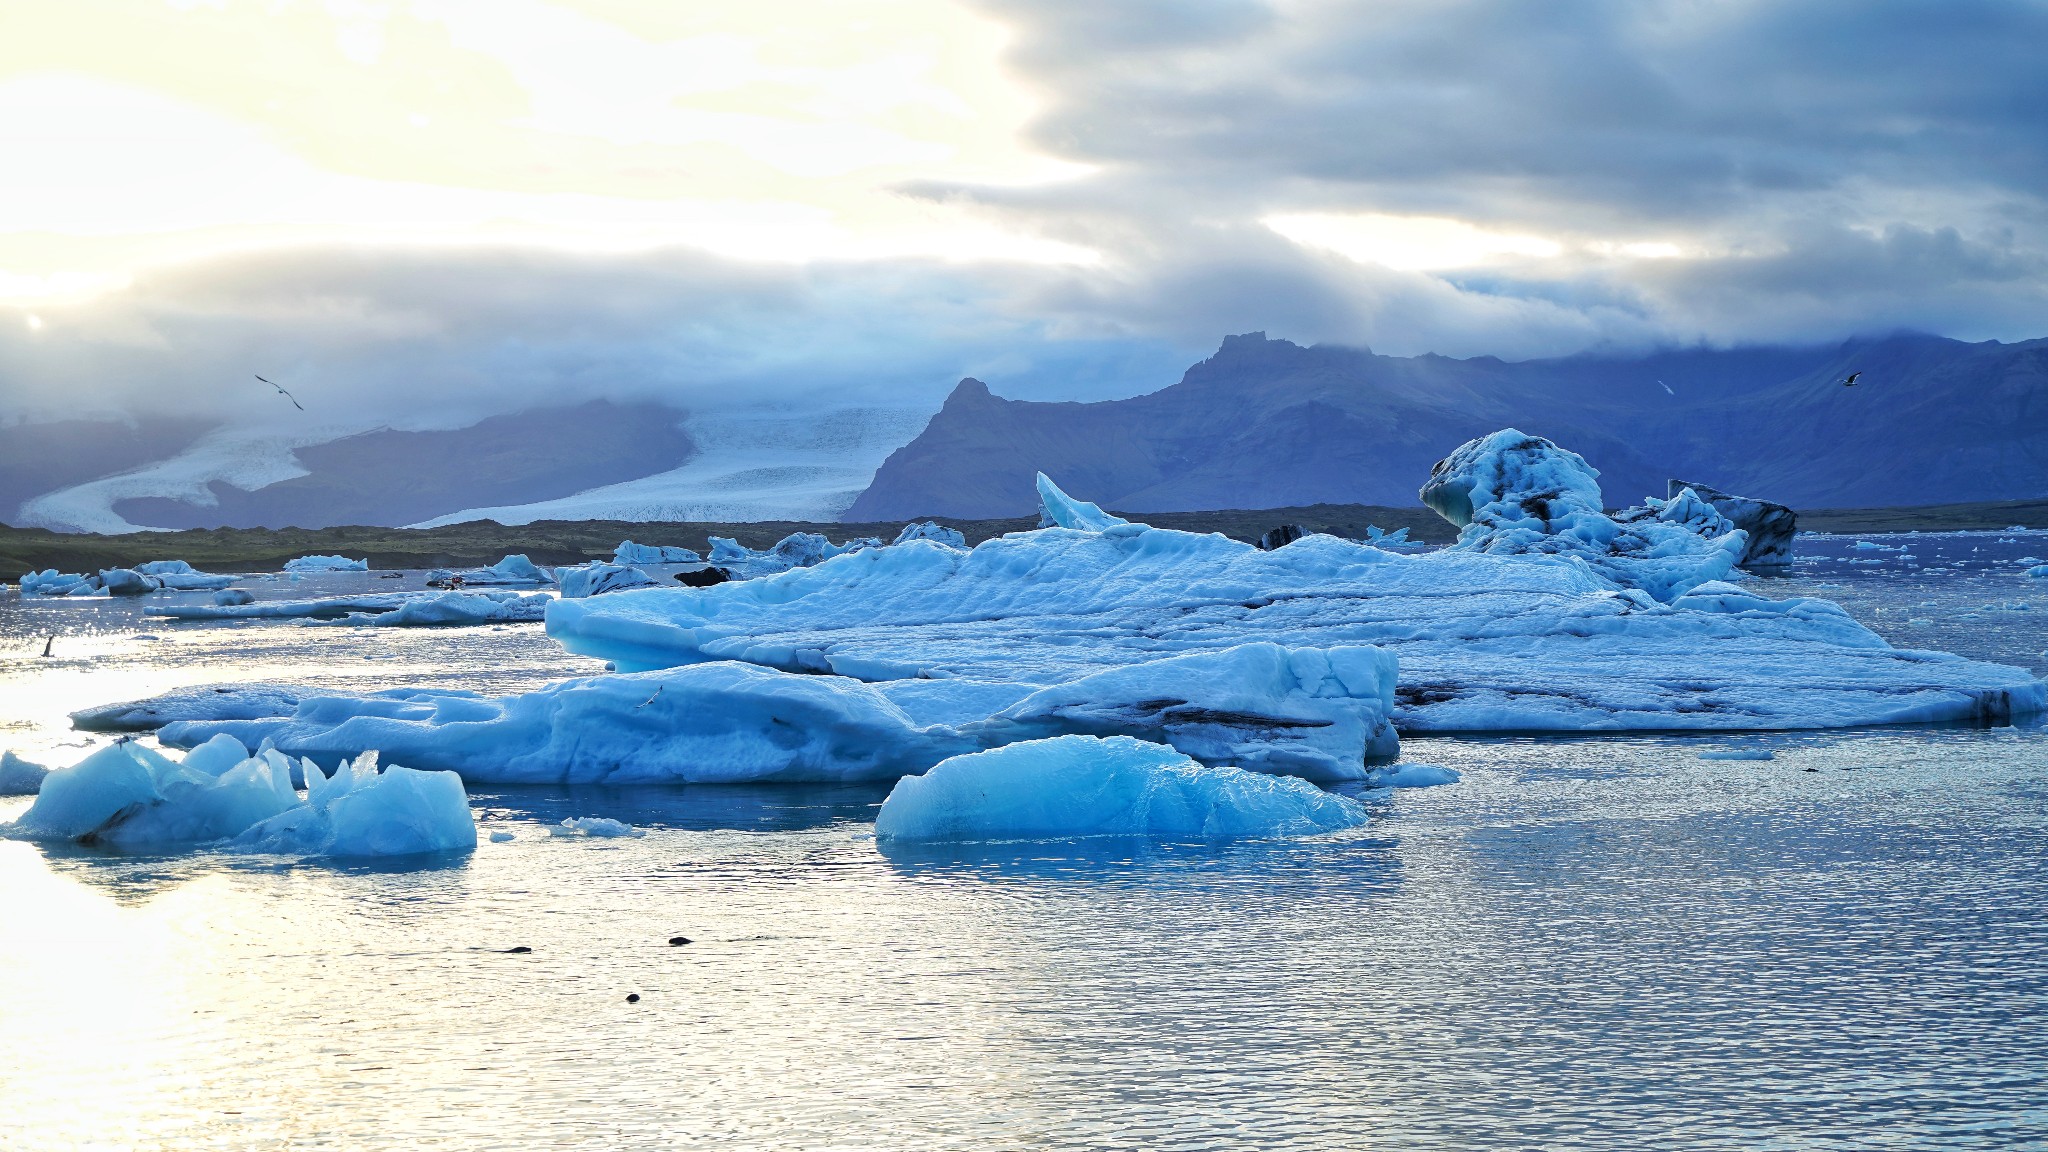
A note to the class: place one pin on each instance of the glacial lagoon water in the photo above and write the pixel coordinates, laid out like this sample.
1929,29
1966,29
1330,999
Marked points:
1587,943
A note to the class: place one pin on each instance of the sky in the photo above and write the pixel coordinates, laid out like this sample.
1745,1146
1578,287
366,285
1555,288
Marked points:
426,211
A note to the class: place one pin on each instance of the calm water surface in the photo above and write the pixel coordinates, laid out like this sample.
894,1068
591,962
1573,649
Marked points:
1585,944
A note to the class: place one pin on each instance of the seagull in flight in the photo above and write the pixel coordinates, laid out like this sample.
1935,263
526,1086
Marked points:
1665,387
1851,381
285,394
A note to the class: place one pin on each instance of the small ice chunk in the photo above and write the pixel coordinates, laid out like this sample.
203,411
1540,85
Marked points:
229,597
326,564
1057,509
501,836
933,531
18,777
1738,754
1412,776
360,812
629,553
51,582
598,826
2038,571
1087,786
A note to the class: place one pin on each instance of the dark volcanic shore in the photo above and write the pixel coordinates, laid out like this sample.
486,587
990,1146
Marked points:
571,541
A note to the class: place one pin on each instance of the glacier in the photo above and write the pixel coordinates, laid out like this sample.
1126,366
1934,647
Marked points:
126,796
1071,787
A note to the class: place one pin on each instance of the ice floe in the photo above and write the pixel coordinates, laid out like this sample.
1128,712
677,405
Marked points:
201,702
384,609
19,777
127,796
141,580
599,827
514,570
630,553
1070,787
1532,622
1412,776
326,564
597,578
934,531
796,550
1319,714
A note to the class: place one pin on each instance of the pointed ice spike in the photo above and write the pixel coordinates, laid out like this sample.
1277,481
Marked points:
1067,512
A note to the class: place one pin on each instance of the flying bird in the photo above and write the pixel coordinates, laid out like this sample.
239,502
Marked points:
1665,387
285,394
1851,381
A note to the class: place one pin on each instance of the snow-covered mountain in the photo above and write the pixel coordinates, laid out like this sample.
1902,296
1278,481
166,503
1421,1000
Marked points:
1267,423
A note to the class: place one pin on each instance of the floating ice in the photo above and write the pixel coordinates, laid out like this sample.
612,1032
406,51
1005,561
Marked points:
1738,754
126,796
1056,509
797,550
201,702
51,582
18,777
390,609
597,578
1769,527
2038,572
502,837
933,531
326,564
598,826
228,597
1412,776
1518,495
360,812
511,570
179,576
1380,537
1538,639
1083,786
631,553
1319,714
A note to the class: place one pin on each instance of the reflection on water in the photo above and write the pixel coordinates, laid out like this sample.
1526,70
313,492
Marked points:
1585,944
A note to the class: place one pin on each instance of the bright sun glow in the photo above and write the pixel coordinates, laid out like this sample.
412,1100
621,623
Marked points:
775,130
1410,243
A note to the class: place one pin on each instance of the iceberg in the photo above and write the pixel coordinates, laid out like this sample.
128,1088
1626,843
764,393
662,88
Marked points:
326,564
126,796
1069,787
1412,776
597,578
1770,527
1280,537
511,570
1512,494
1056,509
598,827
233,596
934,531
201,702
51,582
1568,622
629,553
796,550
1320,714
128,582
179,576
18,777
387,609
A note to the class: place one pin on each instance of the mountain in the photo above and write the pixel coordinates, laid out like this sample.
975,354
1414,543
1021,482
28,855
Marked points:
1266,423
379,477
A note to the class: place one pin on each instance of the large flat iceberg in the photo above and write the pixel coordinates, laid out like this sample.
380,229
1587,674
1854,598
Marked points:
1317,714
1547,616
129,797
1080,786
386,609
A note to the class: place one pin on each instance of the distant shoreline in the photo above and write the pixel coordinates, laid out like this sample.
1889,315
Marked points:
571,541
